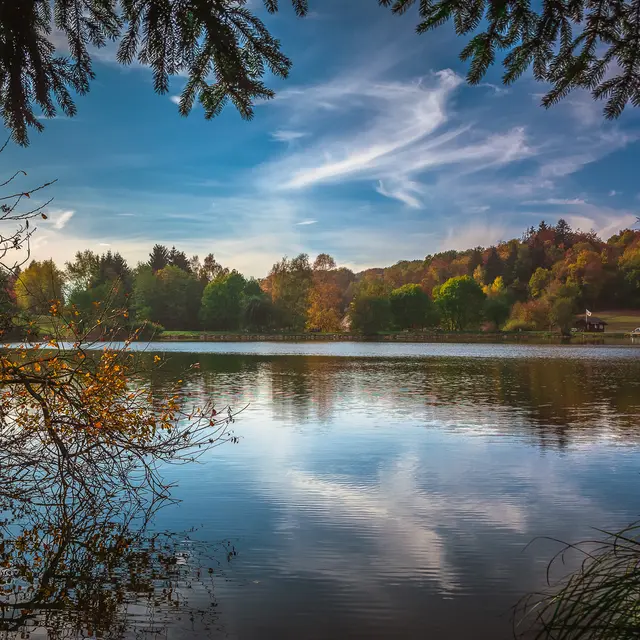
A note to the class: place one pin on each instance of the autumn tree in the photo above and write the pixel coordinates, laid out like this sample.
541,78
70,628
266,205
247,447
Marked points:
497,304
532,315
460,302
326,298
629,271
324,262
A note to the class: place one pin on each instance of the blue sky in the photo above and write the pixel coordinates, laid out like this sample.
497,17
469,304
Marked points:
374,150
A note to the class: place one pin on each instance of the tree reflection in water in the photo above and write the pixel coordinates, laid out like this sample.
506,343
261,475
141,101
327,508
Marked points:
93,567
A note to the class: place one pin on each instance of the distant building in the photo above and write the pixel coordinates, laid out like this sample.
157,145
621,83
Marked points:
590,324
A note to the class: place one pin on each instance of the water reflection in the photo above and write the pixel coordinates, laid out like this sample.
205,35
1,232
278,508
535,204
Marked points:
94,568
370,496
552,402
388,497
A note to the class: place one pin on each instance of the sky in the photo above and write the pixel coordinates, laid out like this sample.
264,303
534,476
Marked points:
374,150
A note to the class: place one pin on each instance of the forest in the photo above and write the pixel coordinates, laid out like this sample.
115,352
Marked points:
538,282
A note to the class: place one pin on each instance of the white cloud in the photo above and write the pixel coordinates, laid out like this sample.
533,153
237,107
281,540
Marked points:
306,222
61,218
613,192
56,117
175,99
461,237
605,221
404,190
557,201
403,131
284,135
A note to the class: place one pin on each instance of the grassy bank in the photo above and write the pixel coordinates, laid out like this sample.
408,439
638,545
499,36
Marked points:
533,337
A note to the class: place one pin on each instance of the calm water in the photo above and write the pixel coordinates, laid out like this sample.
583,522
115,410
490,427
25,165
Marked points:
390,490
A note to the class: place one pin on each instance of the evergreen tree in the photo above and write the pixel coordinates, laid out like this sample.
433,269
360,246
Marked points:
179,259
563,233
493,267
158,258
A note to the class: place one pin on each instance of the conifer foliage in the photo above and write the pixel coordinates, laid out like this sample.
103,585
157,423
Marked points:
221,46
225,50
590,44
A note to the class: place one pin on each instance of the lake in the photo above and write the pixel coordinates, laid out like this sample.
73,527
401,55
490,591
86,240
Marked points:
392,490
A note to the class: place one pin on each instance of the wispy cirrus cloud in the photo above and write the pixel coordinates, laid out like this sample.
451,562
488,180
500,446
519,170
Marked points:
557,201
287,135
60,219
404,130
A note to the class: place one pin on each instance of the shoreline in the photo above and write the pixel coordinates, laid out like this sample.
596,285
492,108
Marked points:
453,337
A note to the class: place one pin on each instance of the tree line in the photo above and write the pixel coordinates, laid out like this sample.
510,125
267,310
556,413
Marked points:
536,282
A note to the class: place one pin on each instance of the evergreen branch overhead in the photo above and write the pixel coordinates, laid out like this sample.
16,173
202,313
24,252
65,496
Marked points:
224,49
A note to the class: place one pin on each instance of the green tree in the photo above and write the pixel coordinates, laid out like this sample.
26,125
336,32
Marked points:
539,282
257,312
412,308
81,272
370,314
496,310
97,280
179,259
91,302
159,257
252,288
171,297
222,303
8,304
38,286
146,294
289,283
562,314
493,267
460,301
